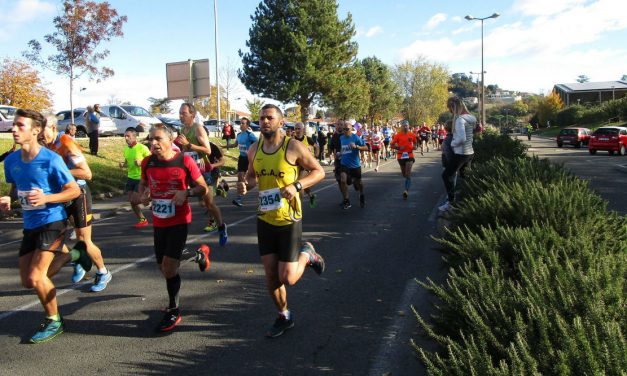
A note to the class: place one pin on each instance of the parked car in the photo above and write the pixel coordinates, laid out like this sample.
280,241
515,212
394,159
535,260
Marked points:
106,128
576,136
174,124
7,113
130,116
612,139
211,125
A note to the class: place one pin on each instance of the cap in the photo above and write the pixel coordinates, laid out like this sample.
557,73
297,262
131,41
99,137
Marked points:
405,122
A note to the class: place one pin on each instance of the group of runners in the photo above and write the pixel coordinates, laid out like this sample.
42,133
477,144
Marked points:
50,174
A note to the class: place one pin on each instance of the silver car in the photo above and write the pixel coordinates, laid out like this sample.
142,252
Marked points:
106,128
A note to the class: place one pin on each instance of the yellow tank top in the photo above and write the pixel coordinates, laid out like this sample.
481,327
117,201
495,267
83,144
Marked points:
274,172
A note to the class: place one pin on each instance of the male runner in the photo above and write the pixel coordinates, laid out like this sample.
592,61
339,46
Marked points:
134,154
299,135
387,137
404,142
335,149
244,140
195,144
79,209
212,178
274,163
350,165
165,179
375,142
44,184
425,134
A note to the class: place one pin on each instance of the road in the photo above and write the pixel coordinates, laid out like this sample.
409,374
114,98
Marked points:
355,319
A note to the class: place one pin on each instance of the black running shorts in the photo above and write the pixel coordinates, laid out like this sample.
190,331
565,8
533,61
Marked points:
242,164
354,173
79,209
284,241
170,241
49,237
132,185
403,162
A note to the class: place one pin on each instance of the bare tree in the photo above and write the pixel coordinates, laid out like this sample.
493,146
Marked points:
230,82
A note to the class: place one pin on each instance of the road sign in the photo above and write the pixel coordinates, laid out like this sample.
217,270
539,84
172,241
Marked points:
188,79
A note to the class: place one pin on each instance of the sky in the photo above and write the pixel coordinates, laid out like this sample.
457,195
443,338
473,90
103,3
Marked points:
531,46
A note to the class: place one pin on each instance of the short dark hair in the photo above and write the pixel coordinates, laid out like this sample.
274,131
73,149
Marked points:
246,119
270,105
37,119
190,107
132,130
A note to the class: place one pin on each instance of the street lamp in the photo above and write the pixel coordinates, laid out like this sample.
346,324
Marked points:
471,18
613,97
478,83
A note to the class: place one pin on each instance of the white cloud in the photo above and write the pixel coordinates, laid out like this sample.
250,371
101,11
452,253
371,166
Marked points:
543,7
374,31
456,19
435,20
22,12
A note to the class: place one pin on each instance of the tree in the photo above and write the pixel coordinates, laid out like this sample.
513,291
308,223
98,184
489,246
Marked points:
491,89
297,51
385,99
160,105
80,30
254,108
462,85
548,108
229,81
208,107
624,78
350,97
582,78
20,86
424,87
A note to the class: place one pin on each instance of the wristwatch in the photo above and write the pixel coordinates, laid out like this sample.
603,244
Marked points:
298,186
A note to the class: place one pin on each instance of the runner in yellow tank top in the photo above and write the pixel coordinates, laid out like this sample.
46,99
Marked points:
274,162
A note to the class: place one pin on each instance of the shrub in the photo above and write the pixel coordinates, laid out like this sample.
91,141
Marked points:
490,144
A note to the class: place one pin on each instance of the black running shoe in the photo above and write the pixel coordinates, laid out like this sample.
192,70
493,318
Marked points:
281,324
202,257
237,202
171,319
315,260
362,201
347,205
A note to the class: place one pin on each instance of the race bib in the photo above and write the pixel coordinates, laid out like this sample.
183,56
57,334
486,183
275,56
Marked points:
270,199
163,208
242,149
194,156
405,155
346,149
25,203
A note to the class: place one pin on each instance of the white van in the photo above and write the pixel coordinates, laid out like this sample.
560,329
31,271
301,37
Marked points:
7,113
130,116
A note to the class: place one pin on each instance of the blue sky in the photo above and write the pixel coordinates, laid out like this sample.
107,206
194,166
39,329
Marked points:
530,47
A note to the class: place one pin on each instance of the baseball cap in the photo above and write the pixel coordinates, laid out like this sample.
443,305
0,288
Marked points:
405,122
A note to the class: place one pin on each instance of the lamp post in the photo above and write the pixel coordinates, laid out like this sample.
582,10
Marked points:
478,83
471,18
613,97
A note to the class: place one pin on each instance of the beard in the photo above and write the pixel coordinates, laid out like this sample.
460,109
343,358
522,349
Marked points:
268,134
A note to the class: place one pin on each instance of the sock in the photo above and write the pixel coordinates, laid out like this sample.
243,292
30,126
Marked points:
102,270
174,286
55,317
407,183
222,227
285,314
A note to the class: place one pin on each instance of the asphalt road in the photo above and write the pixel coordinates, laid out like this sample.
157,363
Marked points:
355,319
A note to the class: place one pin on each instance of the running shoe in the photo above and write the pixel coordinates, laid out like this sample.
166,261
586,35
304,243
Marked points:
312,200
362,201
72,235
224,235
238,202
445,207
421,153
211,226
141,223
220,192
48,330
281,324
315,260
83,259
101,281
171,318
202,257
79,273
376,169
347,205
405,194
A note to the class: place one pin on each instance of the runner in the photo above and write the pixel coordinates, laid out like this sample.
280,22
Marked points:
404,142
134,154
335,149
425,134
274,163
299,135
387,137
351,146
375,141
434,136
194,142
441,136
43,184
78,210
244,139
216,185
165,179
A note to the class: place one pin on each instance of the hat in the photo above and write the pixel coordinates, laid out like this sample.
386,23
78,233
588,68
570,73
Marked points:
405,122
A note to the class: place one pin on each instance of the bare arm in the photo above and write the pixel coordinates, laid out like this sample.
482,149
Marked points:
69,192
81,171
250,178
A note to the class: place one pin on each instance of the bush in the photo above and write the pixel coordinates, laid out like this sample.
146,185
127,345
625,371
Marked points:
490,144
581,115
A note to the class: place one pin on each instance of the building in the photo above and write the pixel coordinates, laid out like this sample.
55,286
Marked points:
591,92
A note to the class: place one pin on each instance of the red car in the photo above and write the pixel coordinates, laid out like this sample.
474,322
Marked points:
575,136
612,139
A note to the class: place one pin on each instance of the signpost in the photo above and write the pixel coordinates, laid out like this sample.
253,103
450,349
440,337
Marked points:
188,79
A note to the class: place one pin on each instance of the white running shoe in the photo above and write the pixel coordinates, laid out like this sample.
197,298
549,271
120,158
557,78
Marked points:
445,207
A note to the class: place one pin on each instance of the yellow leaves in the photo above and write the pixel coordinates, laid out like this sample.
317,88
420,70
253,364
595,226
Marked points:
20,86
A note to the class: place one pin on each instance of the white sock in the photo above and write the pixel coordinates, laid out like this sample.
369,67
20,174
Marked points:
285,314
102,270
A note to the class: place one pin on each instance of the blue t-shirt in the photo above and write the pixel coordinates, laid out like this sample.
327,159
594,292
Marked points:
48,172
350,156
244,140
387,133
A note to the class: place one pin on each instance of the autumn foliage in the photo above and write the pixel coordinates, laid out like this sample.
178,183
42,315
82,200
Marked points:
21,86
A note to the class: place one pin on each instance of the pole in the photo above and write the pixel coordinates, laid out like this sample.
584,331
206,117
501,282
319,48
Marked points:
215,19
482,121
191,81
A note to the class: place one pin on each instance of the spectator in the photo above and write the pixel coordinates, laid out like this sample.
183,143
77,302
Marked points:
92,122
228,134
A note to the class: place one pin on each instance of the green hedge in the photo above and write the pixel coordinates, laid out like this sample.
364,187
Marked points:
537,277
579,114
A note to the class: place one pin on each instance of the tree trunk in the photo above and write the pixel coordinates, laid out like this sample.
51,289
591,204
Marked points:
71,91
304,110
